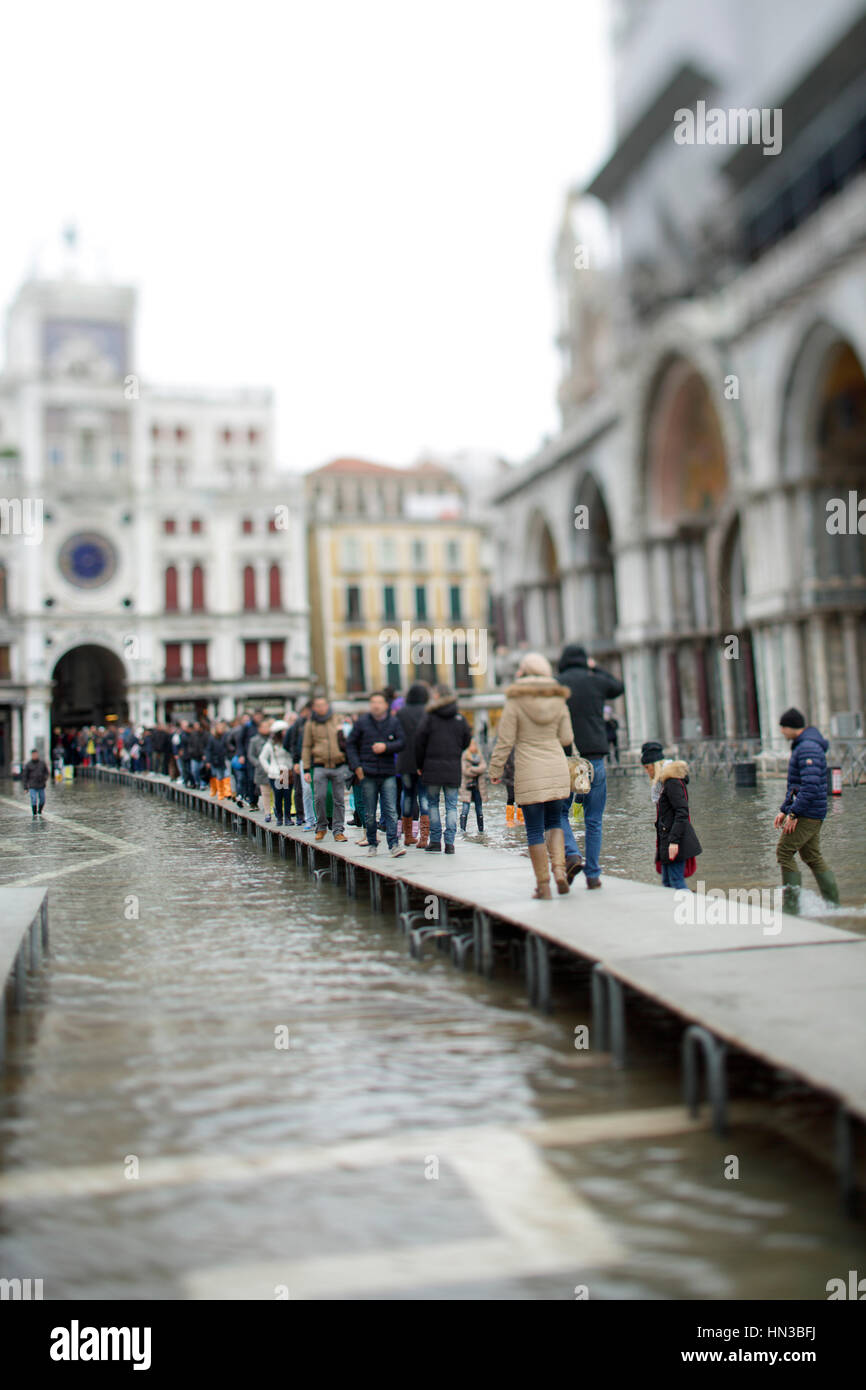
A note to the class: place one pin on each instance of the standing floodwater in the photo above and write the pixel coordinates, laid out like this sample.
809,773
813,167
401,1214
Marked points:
207,1008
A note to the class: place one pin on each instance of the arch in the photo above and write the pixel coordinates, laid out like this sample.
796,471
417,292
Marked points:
249,588
593,562
275,601
825,377
685,465
171,589
541,609
89,687
198,603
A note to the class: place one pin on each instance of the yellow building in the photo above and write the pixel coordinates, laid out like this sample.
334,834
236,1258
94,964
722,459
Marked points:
399,585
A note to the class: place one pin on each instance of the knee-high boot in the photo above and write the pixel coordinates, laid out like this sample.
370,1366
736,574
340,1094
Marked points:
538,855
828,887
555,840
408,838
791,881
423,832
214,786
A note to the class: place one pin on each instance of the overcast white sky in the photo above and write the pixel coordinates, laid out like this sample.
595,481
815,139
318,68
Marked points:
353,202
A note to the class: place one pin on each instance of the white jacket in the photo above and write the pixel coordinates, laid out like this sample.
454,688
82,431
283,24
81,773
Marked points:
275,759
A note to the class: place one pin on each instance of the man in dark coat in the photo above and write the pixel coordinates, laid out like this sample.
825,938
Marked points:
34,776
442,736
802,813
370,748
410,715
590,688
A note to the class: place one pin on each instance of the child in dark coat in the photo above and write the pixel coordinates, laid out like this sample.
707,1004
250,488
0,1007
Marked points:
677,844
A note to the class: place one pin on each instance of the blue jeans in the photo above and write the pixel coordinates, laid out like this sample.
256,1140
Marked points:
475,793
414,795
37,797
307,797
593,811
674,873
385,787
539,816
433,791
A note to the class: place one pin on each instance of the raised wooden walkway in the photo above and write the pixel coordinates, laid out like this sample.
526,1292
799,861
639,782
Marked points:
23,939
794,998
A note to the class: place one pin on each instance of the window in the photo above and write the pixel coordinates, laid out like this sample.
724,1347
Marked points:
180,433
118,458
199,658
393,677
154,431
462,676
278,657
249,588
227,436
172,661
171,590
169,525
452,555
196,526
251,659
353,604
4,597
388,553
355,680
275,601
87,448
197,589
454,594
350,550
5,667
419,554
55,457
247,526
389,601
253,436
425,671
420,601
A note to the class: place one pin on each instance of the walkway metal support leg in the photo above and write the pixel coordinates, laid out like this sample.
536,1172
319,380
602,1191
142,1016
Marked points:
542,973
299,852
335,868
375,891
845,1161
529,964
311,858
608,1014
483,934
401,898
714,1055
20,970
351,885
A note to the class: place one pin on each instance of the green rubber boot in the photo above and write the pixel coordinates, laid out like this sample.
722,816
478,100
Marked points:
828,887
791,882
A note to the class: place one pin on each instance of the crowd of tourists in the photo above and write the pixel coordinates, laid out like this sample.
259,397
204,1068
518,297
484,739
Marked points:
409,767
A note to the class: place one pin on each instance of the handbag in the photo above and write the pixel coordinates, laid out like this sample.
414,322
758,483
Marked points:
581,773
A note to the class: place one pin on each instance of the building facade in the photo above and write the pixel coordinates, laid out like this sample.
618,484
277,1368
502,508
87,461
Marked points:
686,521
151,556
399,578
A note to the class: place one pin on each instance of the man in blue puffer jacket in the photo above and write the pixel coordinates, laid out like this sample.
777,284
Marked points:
802,813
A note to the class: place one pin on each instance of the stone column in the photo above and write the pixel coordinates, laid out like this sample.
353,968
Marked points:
37,731
820,715
853,685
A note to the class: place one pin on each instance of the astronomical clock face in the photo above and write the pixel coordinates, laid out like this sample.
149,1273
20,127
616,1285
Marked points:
84,348
87,560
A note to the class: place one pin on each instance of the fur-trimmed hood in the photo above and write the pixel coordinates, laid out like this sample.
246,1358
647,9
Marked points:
443,705
676,767
540,697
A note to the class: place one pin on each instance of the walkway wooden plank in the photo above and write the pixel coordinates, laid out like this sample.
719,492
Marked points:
801,1010
791,997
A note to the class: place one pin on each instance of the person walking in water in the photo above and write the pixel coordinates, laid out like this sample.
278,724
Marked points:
677,843
34,777
588,689
537,724
803,811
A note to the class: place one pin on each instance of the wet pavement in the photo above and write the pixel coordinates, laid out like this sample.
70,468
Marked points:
234,1082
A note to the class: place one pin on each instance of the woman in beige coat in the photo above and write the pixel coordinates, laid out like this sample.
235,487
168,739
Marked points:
537,724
